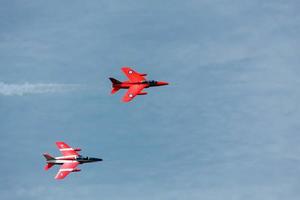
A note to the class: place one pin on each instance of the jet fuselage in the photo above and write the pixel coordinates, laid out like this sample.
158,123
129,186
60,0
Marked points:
128,84
65,159
135,84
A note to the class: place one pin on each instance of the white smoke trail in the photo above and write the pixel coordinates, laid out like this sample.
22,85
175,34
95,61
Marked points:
39,88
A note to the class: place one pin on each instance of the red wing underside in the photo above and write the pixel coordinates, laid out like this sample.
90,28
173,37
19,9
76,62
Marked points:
132,75
133,91
65,149
66,169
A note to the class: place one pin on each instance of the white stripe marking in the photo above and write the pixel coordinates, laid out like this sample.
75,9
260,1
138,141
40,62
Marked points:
67,149
65,161
66,170
62,157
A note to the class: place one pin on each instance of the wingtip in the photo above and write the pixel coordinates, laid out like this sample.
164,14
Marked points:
125,100
126,68
58,177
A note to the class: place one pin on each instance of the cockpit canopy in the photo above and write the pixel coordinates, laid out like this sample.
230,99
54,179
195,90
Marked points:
151,82
80,157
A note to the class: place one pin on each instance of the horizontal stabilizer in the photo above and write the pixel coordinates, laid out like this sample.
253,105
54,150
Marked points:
115,89
48,166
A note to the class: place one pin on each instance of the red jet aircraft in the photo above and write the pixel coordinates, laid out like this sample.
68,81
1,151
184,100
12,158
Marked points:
135,84
68,161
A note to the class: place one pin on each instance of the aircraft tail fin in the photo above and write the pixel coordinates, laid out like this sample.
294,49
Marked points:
48,157
115,82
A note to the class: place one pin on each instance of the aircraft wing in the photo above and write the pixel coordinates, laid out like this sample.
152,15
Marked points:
132,75
66,169
132,92
66,150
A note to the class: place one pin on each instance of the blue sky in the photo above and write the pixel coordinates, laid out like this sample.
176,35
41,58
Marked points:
225,128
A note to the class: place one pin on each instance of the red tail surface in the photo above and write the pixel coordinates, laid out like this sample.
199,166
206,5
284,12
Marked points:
48,157
115,84
48,166
114,90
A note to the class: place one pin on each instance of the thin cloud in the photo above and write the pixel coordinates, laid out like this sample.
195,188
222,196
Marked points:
38,88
